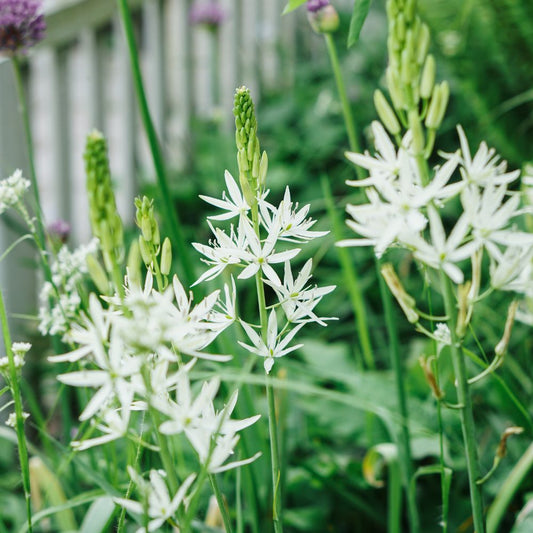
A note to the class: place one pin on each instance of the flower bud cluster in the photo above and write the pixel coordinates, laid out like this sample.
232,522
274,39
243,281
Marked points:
105,221
252,165
322,16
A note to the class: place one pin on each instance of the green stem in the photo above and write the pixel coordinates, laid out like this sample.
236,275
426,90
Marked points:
508,490
395,498
350,278
221,503
169,213
19,424
272,421
465,402
17,70
346,109
404,438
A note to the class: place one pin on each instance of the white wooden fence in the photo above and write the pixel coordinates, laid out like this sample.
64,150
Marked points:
79,78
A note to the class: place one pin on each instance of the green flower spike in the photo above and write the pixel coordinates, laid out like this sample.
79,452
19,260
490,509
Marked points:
252,166
105,220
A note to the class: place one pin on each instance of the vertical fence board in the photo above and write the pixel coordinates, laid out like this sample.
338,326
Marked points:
228,60
122,122
178,89
248,55
268,35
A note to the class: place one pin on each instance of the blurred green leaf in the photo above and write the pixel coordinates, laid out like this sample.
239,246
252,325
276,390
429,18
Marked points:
292,5
98,518
360,12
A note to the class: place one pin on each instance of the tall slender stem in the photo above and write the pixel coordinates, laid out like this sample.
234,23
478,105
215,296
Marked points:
465,408
169,212
23,107
19,415
272,419
221,503
346,109
404,438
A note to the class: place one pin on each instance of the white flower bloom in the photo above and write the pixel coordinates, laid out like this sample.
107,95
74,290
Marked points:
287,222
385,165
12,190
260,256
489,216
159,506
225,250
234,206
485,168
114,424
443,253
442,334
297,299
273,347
512,270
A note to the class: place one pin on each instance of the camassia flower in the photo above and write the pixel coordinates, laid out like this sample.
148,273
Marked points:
22,25
155,498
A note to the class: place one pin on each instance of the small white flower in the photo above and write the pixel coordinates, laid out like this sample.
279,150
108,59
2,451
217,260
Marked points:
442,334
288,222
12,419
273,347
485,168
160,507
12,190
234,206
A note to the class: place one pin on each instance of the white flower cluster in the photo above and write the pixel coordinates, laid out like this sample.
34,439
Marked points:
132,354
403,211
253,246
12,190
68,271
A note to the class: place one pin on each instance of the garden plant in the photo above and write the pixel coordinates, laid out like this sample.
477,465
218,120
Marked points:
342,343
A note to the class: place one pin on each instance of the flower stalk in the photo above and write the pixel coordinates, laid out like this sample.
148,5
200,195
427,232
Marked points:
465,408
13,381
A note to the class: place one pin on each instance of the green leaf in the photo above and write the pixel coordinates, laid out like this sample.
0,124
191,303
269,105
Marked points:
98,517
292,5
360,12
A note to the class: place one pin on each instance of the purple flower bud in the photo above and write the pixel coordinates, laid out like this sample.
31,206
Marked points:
60,230
323,17
207,14
21,25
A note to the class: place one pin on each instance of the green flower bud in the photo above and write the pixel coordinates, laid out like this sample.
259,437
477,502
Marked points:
385,113
395,89
166,257
146,227
417,132
134,264
97,273
146,253
437,106
263,169
410,10
443,103
428,77
422,41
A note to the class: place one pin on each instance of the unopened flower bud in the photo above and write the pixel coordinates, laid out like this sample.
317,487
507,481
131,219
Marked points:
386,114
97,273
417,132
322,16
437,106
410,10
166,257
428,77
146,227
134,264
395,90
463,302
422,40
263,169
146,254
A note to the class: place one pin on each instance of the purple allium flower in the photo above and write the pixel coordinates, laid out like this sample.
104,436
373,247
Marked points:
323,17
316,5
21,25
60,230
209,14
